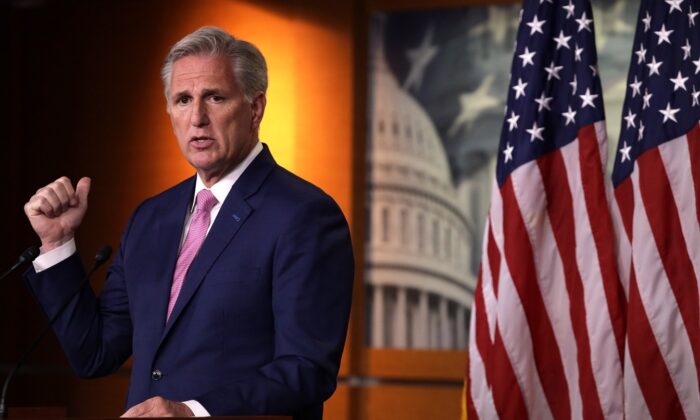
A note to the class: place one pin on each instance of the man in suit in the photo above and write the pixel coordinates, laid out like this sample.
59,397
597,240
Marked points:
231,289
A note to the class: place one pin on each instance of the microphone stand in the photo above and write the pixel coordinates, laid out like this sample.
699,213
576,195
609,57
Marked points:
101,257
28,255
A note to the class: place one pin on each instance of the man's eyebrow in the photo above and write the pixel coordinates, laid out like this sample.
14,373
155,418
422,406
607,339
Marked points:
209,92
181,93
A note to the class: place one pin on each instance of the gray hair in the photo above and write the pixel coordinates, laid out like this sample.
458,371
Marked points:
247,61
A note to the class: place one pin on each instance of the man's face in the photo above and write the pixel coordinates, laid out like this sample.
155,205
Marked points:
215,126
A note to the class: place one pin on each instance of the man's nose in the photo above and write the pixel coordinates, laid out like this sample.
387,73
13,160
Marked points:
199,117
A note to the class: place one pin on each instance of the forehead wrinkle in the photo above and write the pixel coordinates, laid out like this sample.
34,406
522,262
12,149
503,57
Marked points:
207,81
191,77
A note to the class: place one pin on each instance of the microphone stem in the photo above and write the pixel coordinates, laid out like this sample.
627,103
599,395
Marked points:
37,340
7,273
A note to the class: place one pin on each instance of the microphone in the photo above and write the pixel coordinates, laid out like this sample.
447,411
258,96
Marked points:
29,254
101,257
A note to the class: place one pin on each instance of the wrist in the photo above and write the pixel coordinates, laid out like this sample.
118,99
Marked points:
47,246
185,410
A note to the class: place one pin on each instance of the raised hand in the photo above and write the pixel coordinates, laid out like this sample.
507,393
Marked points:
57,210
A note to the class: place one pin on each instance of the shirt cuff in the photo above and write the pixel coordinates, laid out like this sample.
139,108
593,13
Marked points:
55,256
197,409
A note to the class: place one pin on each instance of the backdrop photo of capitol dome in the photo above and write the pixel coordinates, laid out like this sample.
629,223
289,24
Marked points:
438,84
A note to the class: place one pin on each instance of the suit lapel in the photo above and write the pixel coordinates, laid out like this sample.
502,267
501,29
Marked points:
231,217
233,214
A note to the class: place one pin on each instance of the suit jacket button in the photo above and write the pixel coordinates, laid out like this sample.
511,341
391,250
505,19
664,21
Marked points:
156,375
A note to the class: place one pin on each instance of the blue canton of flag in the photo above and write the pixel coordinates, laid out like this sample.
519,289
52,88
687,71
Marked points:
554,88
663,96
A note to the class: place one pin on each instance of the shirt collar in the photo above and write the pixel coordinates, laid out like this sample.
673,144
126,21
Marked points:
224,185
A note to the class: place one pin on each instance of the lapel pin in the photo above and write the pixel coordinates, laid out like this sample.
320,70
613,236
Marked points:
236,218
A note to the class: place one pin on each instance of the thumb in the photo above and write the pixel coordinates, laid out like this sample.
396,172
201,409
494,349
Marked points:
82,189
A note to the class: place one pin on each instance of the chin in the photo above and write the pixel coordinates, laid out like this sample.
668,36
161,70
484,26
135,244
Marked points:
206,164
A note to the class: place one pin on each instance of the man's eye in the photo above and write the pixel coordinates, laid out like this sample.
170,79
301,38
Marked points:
183,100
216,98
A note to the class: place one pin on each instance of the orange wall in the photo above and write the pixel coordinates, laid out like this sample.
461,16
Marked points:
87,101
308,115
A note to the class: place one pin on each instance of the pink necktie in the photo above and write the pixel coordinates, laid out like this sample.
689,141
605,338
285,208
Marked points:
199,224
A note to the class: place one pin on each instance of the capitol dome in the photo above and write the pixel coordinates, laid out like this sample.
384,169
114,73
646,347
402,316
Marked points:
418,244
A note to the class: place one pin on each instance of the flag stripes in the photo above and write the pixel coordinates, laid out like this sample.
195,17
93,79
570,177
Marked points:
694,154
552,260
649,371
561,214
592,142
520,258
664,307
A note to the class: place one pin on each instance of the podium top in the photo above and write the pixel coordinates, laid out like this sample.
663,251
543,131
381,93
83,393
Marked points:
60,413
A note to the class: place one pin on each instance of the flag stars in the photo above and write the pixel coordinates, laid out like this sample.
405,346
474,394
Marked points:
630,119
577,53
647,22
553,71
543,102
587,99
420,57
594,70
527,57
625,152
641,54
574,85
686,49
691,16
697,65
536,25
679,82
535,132
647,97
508,153
669,113
636,87
663,35
562,40
674,5
640,133
584,23
570,116
696,97
654,66
520,88
513,121
569,9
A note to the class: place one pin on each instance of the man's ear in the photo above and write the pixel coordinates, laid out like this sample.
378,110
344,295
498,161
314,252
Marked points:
258,107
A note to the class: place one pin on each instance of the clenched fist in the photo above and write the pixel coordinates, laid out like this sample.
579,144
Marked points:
56,211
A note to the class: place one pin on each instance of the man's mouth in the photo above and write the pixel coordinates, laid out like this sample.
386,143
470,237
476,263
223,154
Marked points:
201,142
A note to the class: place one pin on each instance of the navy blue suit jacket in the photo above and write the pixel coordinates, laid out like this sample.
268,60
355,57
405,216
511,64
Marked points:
260,323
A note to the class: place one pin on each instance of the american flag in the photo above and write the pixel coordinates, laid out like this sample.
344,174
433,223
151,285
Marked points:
547,328
657,186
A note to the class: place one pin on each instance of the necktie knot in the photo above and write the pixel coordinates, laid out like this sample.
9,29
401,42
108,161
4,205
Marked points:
205,201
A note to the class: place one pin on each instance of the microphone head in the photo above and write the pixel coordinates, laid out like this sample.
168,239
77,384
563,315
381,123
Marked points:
29,254
103,254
